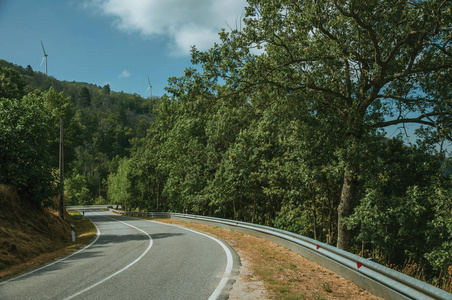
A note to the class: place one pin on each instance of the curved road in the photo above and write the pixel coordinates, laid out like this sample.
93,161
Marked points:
133,259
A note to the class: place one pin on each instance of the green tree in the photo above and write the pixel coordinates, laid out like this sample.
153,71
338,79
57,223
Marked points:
77,189
106,89
85,97
61,108
29,70
11,84
439,233
25,148
366,61
394,214
121,188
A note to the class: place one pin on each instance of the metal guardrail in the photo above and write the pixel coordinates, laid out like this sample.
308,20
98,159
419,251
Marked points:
76,207
152,215
371,276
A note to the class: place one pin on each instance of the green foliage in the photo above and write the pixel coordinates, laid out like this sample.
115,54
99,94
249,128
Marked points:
293,137
85,97
98,124
439,232
24,148
77,190
361,65
11,84
295,218
106,89
120,186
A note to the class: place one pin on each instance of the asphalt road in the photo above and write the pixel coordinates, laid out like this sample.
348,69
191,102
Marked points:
133,259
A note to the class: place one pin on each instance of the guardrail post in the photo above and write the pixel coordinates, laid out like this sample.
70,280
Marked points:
73,233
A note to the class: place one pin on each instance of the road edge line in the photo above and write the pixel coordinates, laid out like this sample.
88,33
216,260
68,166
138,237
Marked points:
229,260
56,261
123,269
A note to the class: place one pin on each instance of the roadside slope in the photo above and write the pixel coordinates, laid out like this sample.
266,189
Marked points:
31,236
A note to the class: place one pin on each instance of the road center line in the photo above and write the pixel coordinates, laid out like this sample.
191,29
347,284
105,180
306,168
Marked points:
123,269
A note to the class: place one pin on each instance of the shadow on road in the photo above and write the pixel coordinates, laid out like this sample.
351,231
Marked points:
110,237
156,236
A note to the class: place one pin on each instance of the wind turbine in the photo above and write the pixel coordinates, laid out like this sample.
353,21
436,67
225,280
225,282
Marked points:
149,88
45,56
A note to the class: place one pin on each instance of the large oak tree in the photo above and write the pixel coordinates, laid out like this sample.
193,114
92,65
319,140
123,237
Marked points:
366,64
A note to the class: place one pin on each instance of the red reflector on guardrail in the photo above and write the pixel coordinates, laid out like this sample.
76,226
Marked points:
359,264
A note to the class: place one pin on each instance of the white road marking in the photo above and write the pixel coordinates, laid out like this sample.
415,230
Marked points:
213,296
229,261
123,269
57,261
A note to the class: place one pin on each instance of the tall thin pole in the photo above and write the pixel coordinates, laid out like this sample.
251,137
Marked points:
61,163
61,156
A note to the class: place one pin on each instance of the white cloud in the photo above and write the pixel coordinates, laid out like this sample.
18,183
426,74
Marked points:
184,22
124,74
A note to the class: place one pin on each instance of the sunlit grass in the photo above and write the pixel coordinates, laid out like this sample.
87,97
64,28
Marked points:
85,232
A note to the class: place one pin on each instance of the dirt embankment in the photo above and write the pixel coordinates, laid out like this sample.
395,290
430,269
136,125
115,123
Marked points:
31,236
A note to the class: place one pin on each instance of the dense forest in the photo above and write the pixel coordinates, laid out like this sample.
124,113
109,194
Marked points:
283,124
99,128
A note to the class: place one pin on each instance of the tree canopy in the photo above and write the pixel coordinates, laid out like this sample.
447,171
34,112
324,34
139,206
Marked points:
285,125
365,64
99,125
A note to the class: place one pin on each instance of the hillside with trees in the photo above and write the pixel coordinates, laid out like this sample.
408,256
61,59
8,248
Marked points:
99,128
283,124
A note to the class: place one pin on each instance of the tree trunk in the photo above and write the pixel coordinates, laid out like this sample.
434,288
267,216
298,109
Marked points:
330,219
157,194
345,209
315,217
61,167
350,186
233,207
254,205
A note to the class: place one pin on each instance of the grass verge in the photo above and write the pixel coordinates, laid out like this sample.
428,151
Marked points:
26,249
284,273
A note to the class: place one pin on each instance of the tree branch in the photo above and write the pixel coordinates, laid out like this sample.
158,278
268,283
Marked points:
368,29
418,120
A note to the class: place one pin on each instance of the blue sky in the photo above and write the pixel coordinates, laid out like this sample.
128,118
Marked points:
119,42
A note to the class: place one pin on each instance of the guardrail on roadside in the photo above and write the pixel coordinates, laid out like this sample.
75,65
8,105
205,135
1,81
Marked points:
152,215
76,207
371,276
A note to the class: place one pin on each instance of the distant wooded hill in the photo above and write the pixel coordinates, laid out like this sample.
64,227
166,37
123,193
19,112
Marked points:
99,128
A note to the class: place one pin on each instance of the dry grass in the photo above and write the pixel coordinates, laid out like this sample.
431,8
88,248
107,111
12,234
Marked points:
447,283
411,268
284,273
37,249
29,240
31,236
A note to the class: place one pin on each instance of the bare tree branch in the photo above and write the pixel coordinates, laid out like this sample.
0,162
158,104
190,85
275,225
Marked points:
418,120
